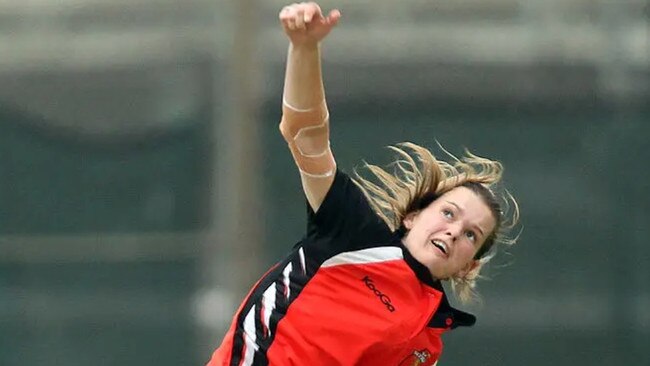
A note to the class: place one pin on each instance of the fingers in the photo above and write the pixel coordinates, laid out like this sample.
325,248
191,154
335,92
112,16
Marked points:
298,16
312,10
333,17
287,17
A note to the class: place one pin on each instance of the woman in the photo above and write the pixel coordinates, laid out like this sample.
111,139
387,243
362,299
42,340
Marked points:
363,287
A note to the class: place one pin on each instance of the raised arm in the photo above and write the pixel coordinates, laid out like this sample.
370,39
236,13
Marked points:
305,118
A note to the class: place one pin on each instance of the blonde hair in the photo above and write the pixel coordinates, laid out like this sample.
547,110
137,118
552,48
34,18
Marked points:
419,178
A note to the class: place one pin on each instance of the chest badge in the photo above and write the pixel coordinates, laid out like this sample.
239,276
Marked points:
418,358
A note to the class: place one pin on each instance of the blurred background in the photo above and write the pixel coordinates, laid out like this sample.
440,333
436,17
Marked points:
144,185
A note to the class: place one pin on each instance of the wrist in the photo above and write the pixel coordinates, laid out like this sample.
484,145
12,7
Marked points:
305,47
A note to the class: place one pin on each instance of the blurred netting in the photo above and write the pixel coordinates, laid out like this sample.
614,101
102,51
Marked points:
143,182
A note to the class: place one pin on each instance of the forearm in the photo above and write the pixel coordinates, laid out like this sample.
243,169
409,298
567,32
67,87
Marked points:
303,83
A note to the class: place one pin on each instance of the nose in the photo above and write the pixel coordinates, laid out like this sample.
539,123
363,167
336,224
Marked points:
453,231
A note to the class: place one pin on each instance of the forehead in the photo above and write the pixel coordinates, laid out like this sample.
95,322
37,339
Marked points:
474,207
463,194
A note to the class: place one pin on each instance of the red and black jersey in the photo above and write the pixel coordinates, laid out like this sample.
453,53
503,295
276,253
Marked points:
349,293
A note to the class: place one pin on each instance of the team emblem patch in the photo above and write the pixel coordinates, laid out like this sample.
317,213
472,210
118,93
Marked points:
419,358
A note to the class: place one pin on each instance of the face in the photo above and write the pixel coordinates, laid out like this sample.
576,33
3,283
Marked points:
446,235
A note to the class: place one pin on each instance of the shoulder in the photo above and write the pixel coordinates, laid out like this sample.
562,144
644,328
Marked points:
347,216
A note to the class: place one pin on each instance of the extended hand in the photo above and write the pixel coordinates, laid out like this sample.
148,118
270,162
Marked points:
304,23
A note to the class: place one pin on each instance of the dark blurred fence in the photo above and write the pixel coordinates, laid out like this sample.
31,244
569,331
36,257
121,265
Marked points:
574,291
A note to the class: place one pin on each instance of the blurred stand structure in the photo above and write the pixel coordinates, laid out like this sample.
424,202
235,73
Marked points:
143,186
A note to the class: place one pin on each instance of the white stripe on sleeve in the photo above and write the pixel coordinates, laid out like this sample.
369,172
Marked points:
371,255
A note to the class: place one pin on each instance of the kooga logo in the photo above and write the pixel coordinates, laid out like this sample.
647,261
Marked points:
382,297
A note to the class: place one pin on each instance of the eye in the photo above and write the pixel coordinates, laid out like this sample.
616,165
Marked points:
448,214
470,235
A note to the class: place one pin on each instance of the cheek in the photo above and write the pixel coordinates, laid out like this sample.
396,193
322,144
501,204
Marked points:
467,251
430,223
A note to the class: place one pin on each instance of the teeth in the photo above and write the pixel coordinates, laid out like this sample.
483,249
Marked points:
440,245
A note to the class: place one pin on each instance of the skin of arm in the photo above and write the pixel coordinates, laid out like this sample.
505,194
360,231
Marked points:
305,122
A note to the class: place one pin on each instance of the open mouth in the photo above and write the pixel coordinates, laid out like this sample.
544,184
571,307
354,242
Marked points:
440,245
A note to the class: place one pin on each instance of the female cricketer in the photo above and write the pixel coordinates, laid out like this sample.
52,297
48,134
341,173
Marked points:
364,285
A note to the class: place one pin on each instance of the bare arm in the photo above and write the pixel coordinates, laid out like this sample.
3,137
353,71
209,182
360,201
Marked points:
305,120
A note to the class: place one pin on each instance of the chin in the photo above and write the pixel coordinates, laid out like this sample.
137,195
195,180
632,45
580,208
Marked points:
439,276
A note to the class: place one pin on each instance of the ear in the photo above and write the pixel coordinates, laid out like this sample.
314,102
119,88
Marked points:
409,220
470,270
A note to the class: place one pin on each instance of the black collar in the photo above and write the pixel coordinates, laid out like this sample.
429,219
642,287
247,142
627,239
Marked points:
449,317
445,316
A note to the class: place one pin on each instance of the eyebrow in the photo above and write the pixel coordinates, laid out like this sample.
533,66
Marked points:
478,228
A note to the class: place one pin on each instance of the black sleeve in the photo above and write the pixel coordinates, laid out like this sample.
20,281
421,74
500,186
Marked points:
345,220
